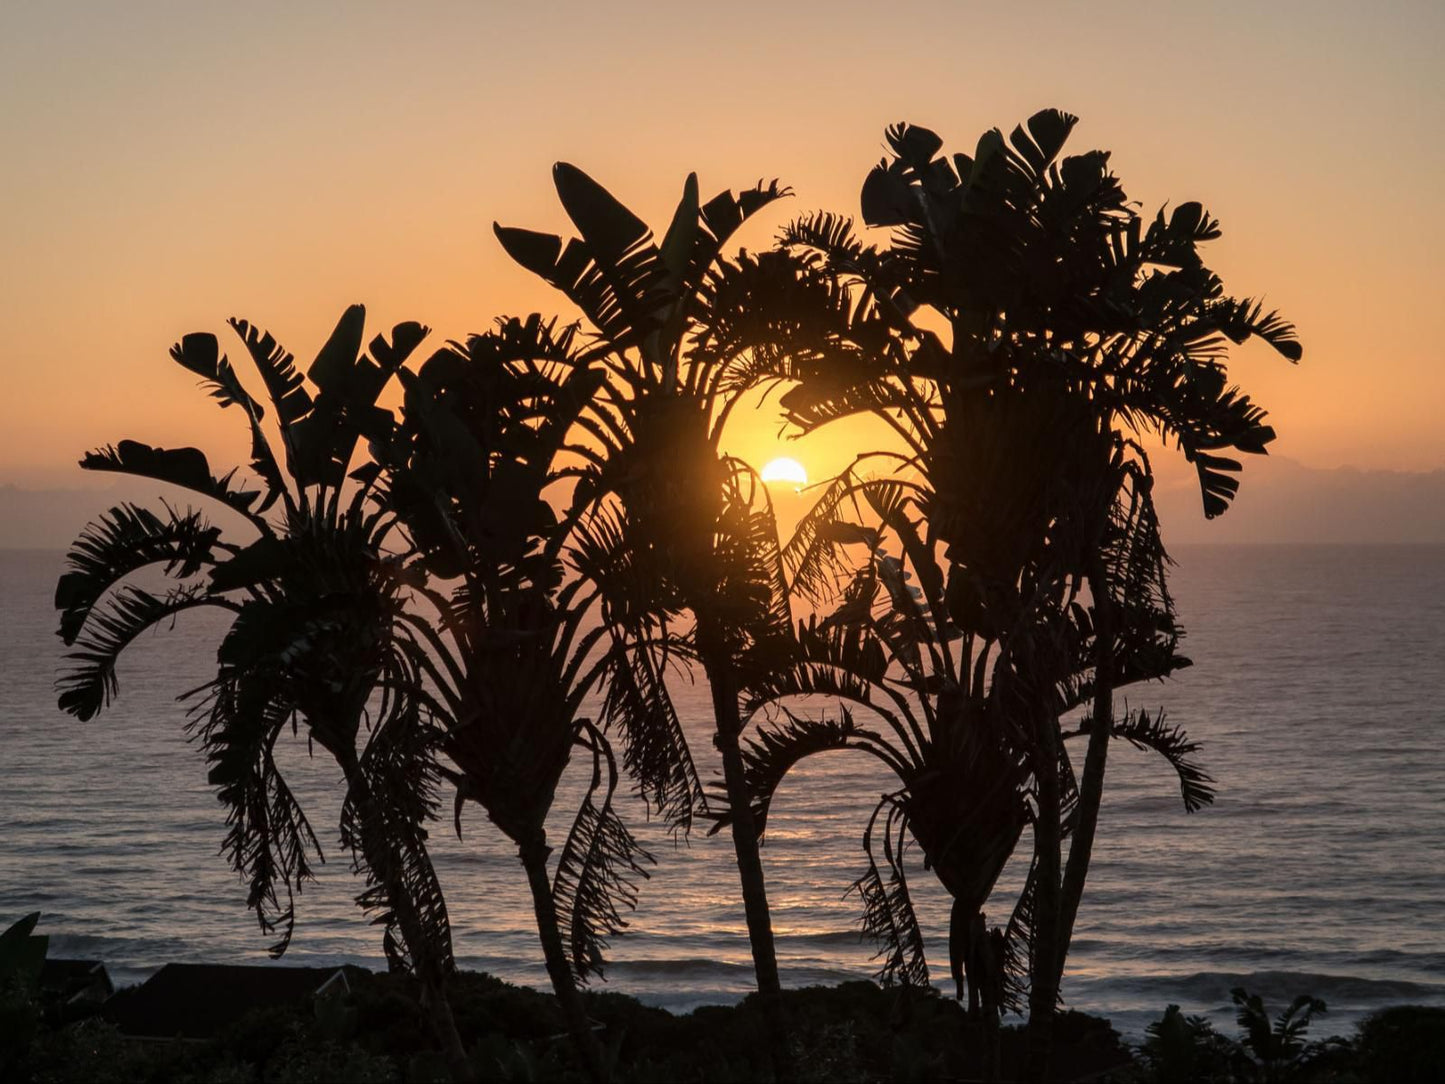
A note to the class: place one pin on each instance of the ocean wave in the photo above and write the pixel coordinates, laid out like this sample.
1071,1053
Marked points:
1213,987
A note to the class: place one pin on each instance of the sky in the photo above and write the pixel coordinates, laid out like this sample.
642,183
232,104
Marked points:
169,165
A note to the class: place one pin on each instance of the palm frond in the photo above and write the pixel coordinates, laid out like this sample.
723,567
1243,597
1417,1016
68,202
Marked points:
89,682
778,747
888,915
391,797
655,750
598,868
122,541
277,367
1018,944
269,841
1144,731
1241,318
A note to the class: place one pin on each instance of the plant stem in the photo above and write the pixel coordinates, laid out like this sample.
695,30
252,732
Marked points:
534,853
1091,787
1044,980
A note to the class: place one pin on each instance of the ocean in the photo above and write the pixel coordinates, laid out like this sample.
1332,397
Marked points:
1318,692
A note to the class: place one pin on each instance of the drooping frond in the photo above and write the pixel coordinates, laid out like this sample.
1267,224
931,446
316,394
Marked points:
391,796
1144,731
655,750
888,915
779,746
89,682
120,542
637,704
269,841
750,596
598,869
1018,953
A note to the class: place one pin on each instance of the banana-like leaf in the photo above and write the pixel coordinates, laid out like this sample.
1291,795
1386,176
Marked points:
277,367
201,354
345,409
184,467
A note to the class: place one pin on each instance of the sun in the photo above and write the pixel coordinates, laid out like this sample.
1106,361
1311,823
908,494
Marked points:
784,469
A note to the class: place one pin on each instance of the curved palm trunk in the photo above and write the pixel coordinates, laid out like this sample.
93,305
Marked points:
534,854
430,974
1091,786
1045,965
727,735
744,832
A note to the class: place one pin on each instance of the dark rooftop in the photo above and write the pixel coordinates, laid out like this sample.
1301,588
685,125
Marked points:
196,1001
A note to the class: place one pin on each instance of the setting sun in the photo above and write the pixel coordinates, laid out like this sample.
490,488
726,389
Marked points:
784,469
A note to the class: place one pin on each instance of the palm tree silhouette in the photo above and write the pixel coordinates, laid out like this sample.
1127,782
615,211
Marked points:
515,646
690,528
1022,326
314,635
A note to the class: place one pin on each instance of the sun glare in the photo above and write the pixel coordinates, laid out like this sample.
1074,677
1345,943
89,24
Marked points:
786,470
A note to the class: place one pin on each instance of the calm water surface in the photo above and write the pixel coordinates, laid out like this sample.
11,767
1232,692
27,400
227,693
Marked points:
1318,690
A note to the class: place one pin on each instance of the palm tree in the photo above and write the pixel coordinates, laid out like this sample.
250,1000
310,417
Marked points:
516,647
1069,326
314,634
952,730
692,531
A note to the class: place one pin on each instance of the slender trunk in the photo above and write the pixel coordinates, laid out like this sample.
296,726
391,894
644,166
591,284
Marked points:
383,863
1091,787
438,1009
994,953
744,827
727,737
1044,979
534,853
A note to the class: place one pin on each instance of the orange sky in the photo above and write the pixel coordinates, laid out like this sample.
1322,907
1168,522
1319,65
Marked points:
167,166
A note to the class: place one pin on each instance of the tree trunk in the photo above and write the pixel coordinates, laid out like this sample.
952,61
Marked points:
750,863
534,853
429,971
727,735
728,731
1045,966
1091,787
438,1009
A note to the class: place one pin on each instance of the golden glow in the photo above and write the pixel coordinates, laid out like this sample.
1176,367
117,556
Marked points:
785,469
182,228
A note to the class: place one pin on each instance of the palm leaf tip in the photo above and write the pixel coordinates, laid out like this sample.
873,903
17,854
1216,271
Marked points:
1148,732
